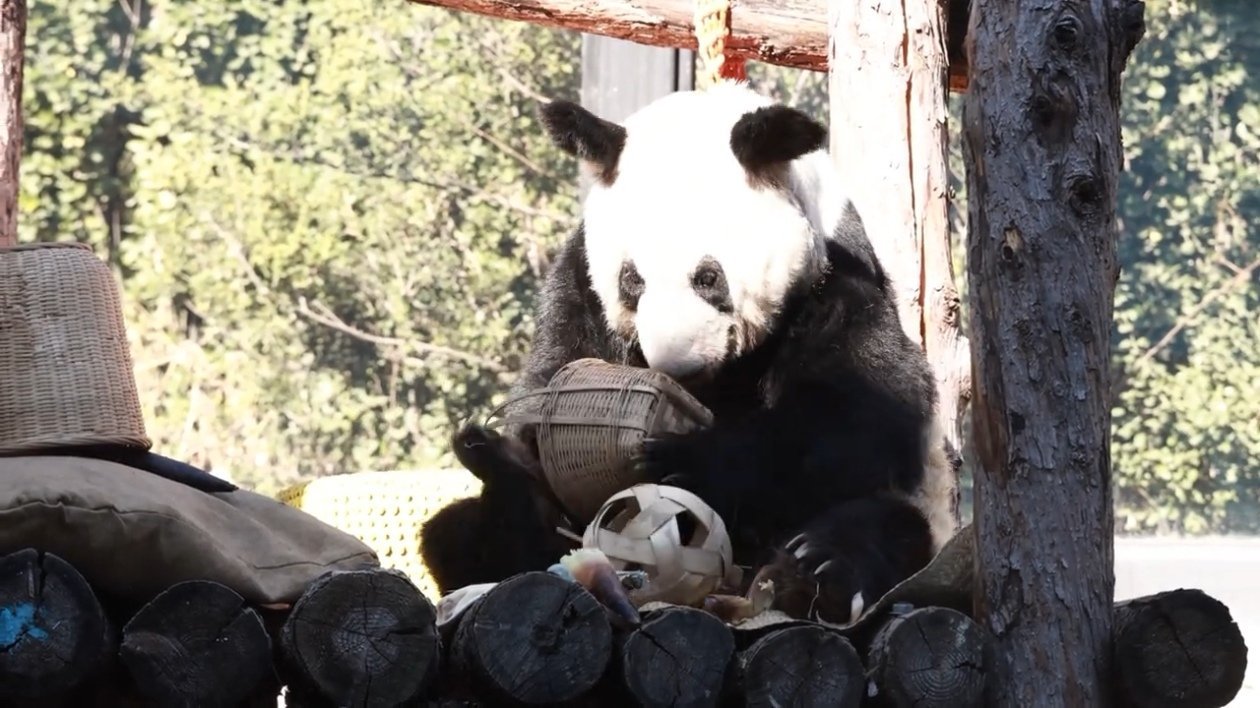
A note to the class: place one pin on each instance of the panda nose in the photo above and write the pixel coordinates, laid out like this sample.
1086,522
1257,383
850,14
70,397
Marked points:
672,353
673,332
677,369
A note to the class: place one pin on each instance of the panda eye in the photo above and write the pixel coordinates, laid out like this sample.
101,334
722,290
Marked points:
709,282
705,278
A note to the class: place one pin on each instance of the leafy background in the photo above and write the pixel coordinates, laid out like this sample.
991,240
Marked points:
330,220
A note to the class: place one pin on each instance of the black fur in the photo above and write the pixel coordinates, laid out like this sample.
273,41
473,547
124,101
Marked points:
774,135
509,526
866,563
585,136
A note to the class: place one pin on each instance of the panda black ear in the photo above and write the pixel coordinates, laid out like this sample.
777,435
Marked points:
774,135
586,136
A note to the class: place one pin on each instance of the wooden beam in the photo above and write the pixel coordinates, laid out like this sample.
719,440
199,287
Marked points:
1041,129
12,46
781,32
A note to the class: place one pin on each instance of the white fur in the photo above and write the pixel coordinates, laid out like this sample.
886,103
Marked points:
680,195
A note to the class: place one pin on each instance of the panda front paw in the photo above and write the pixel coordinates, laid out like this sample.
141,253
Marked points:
815,581
492,457
667,460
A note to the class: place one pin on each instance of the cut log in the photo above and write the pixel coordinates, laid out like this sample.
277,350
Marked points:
802,666
359,638
53,633
534,638
928,657
197,644
678,657
781,32
1177,648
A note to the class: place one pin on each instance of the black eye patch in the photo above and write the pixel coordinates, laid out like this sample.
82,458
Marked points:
708,280
629,285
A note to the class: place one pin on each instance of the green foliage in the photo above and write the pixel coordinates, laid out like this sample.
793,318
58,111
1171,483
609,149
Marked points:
1187,363
330,220
335,223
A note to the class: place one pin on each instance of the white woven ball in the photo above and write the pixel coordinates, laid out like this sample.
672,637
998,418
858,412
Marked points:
638,529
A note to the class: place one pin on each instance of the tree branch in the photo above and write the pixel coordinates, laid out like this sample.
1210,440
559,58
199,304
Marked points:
297,157
321,315
1240,276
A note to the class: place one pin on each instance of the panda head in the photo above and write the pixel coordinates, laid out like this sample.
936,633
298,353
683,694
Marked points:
707,211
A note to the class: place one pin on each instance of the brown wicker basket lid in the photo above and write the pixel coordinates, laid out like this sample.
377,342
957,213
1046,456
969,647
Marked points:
591,420
66,374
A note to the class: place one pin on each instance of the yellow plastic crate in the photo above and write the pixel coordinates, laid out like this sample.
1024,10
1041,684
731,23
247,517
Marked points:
386,510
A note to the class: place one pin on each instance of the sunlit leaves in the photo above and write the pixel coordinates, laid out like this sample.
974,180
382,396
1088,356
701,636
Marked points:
285,159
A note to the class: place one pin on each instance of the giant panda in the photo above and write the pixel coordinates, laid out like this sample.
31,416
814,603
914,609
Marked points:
717,247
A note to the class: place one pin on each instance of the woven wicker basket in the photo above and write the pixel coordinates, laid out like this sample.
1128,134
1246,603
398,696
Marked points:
66,374
591,420
638,528
386,510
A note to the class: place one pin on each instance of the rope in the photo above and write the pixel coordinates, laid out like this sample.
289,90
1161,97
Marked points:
712,22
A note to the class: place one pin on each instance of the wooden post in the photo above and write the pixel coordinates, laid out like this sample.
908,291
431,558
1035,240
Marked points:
1042,145
932,656
12,45
532,639
888,85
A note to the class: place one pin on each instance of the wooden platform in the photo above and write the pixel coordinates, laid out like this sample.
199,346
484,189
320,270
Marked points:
367,638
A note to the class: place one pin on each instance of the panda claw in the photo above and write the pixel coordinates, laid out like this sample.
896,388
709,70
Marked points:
802,551
856,605
818,572
675,480
798,540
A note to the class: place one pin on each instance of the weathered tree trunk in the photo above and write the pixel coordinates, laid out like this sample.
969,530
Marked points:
12,45
888,135
1042,144
782,32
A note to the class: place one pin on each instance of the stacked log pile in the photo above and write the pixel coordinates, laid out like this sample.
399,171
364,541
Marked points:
370,638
